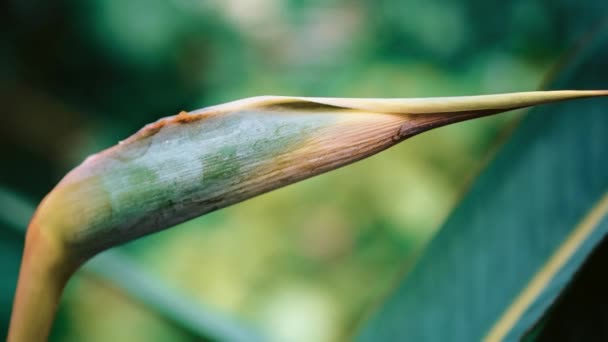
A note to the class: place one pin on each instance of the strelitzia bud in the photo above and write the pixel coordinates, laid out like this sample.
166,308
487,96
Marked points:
184,166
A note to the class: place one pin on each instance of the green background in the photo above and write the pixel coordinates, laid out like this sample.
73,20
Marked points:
304,263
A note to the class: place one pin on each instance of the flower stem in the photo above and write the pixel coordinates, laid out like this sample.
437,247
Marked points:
42,277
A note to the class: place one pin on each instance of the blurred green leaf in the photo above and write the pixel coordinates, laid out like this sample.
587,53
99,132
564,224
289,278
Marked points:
11,246
14,212
118,269
526,226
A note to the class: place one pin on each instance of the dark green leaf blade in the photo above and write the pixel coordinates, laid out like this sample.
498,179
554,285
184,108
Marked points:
542,199
580,313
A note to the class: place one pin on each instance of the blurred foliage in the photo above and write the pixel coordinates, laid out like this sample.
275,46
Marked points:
304,263
522,232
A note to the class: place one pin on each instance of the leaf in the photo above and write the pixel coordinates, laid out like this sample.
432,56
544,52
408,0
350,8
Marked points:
521,233
185,166
580,312
124,274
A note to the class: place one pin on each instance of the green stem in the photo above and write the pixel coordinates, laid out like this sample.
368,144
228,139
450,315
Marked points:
42,277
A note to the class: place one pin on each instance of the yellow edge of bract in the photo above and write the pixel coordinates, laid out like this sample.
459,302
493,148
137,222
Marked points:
540,281
420,105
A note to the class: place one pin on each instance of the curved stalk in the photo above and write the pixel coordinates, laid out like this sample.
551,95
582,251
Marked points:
187,165
45,270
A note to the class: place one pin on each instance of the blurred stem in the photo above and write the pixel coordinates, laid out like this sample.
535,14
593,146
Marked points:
42,277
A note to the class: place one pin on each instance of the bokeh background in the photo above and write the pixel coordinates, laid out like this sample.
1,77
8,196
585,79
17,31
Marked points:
305,263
